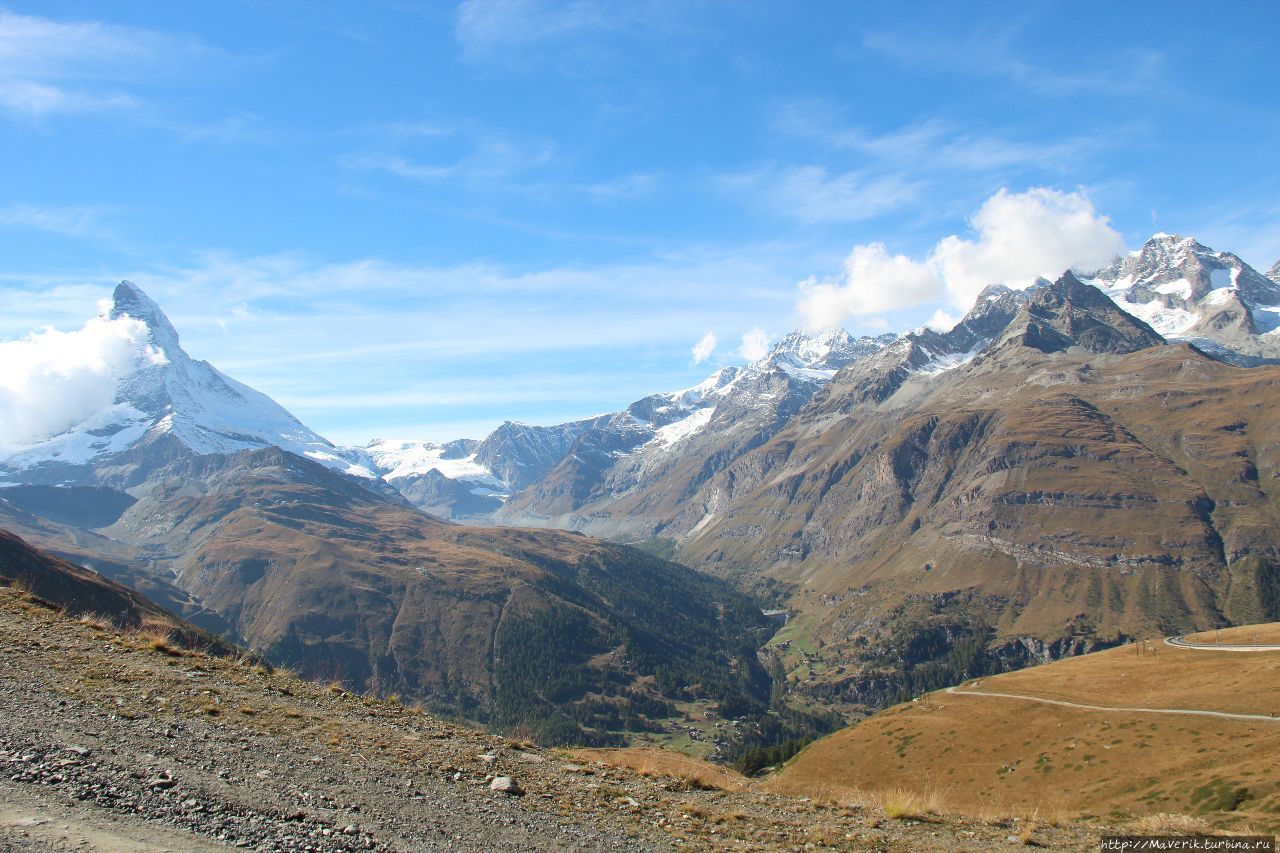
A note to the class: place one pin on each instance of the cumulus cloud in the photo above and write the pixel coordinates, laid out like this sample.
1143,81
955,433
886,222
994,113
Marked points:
53,380
942,321
755,345
1019,237
704,347
873,281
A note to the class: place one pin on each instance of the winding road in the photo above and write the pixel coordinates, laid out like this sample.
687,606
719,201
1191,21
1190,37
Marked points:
1176,642
1181,711
1183,643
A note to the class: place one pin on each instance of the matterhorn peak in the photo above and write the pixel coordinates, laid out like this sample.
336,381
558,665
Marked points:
129,300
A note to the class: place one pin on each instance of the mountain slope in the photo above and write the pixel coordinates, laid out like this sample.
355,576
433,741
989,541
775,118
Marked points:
110,744
1075,483
548,630
623,477
215,500
77,591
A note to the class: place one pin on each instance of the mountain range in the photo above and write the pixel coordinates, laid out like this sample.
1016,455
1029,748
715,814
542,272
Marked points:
1070,465
214,501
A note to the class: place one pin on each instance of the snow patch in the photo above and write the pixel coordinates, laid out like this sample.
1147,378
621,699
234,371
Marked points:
1181,288
1169,322
949,361
682,429
397,459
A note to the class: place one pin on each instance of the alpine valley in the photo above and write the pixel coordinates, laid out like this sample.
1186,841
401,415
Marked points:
1071,466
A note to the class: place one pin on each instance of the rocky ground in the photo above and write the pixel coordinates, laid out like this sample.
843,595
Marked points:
119,742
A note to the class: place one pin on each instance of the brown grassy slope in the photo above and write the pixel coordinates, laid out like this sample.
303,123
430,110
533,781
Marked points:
984,752
79,591
1161,677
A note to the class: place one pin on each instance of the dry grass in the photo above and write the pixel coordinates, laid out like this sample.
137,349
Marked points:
1170,824
23,586
97,622
691,772
1003,758
1241,683
158,641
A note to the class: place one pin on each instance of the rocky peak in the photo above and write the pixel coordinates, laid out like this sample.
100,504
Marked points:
1070,313
990,315
1274,273
129,300
1181,271
818,355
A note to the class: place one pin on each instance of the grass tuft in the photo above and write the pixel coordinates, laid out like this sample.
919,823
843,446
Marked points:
908,804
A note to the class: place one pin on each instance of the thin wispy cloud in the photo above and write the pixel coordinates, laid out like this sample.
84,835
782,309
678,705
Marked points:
993,54
934,145
483,27
474,157
812,194
71,221
50,67
631,186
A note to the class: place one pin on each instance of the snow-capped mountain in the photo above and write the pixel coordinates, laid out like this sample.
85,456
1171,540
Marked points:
1274,272
663,445
170,396
443,479
517,456
1187,291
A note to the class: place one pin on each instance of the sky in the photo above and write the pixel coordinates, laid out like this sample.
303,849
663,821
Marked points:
419,219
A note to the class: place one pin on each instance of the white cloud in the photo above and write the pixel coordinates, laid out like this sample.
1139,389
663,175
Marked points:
1019,238
704,347
755,345
625,187
53,380
932,145
873,281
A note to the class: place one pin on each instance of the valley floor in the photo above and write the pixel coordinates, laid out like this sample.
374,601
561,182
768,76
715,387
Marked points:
120,742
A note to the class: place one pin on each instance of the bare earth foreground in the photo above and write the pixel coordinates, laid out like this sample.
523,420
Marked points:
114,741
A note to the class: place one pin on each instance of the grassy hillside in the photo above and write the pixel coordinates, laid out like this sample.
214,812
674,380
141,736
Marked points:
983,753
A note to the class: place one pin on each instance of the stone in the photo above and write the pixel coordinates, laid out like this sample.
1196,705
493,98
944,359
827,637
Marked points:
506,785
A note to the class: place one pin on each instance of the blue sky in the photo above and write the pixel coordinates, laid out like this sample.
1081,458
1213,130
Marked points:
419,219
